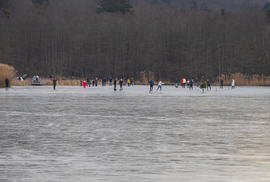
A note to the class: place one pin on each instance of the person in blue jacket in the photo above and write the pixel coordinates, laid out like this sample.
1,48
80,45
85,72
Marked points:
208,84
151,85
191,84
110,81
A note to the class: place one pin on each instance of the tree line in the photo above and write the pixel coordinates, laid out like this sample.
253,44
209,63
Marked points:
70,38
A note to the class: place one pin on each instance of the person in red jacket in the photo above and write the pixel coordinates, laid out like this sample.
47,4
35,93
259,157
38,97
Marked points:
182,82
84,85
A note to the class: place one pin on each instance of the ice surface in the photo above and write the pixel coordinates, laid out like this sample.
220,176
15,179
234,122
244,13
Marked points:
73,134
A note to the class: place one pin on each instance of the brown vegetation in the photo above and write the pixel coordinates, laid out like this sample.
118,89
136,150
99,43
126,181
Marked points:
243,80
6,71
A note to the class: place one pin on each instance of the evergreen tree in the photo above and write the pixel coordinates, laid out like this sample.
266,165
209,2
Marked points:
123,6
5,6
203,85
266,6
267,17
204,7
222,12
193,5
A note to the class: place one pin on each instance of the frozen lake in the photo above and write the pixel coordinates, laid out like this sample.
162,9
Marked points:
77,135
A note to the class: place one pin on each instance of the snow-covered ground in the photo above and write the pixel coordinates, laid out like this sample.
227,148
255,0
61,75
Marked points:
73,134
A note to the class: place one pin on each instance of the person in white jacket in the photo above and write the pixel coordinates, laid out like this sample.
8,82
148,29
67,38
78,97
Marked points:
160,85
233,84
184,82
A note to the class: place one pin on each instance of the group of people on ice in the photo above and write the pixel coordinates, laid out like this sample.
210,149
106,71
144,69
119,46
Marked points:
122,82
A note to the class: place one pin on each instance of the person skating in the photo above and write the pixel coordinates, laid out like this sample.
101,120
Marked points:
197,81
34,79
110,81
93,82
233,84
131,81
187,83
208,84
96,81
160,85
151,85
184,82
88,82
84,85
121,84
190,84
128,82
114,83
221,84
176,82
7,82
54,83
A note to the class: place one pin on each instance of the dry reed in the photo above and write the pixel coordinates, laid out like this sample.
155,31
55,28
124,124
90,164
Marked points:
6,71
243,80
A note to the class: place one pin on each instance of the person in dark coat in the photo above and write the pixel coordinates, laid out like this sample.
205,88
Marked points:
208,84
110,81
221,84
151,85
54,83
121,84
88,82
96,81
190,84
7,82
114,83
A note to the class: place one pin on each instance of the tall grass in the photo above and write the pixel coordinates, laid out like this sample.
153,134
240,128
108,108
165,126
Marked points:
6,71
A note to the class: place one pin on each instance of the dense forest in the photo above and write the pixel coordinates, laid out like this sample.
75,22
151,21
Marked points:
170,38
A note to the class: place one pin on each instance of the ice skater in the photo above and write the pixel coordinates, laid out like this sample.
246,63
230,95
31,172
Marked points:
54,84
84,85
7,83
96,81
191,84
160,85
151,85
233,84
110,81
197,81
208,84
121,84
128,82
88,82
221,84
176,83
114,83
